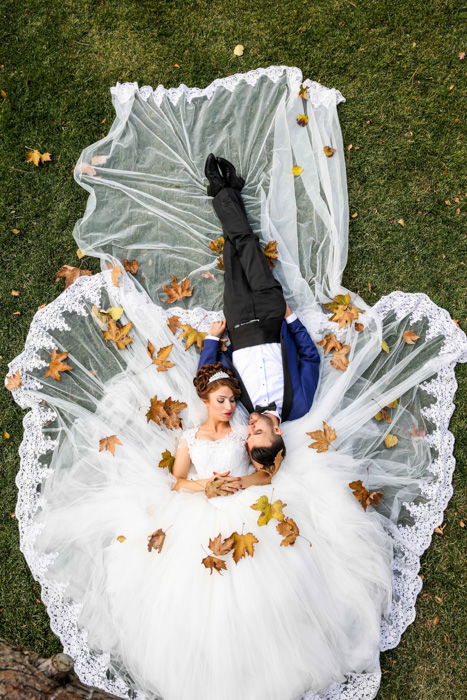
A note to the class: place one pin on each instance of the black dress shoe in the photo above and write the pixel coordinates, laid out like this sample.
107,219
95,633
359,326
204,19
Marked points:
212,172
230,176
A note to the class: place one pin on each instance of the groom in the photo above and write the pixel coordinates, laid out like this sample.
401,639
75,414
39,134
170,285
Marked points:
271,353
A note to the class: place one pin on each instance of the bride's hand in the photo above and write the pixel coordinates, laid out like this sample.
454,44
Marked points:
217,328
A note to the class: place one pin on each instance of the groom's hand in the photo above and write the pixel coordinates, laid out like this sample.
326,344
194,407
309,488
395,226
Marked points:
288,311
217,328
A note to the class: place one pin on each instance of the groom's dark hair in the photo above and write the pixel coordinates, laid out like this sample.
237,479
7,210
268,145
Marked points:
267,455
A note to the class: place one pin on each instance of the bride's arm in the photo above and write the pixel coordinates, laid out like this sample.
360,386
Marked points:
180,470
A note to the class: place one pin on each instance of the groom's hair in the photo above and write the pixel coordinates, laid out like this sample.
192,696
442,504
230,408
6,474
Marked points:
267,455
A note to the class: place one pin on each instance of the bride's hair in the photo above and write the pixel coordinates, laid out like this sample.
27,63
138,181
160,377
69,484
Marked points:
204,386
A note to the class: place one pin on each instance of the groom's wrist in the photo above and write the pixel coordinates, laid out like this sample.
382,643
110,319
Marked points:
291,317
212,337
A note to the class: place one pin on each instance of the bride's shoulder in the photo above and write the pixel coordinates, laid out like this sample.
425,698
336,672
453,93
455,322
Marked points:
187,437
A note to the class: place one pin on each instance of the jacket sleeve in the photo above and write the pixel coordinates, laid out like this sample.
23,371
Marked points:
210,352
309,357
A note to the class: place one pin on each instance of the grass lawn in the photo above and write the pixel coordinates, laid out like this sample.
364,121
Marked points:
397,64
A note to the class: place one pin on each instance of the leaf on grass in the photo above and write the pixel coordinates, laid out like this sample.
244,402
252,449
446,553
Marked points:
366,498
37,157
165,412
268,510
71,274
156,540
109,443
13,381
191,336
118,334
176,291
323,438
160,360
288,528
214,564
409,336
167,460
57,365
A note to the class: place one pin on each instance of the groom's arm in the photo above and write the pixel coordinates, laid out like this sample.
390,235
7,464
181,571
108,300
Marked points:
210,352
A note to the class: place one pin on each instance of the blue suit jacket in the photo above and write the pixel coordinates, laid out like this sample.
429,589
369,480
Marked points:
301,367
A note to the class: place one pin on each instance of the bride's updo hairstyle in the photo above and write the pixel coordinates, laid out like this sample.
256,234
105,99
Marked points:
204,386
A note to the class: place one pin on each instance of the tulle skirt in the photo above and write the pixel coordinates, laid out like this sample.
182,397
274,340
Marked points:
308,618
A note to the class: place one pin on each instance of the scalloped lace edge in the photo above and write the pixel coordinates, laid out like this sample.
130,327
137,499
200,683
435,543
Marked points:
318,93
93,667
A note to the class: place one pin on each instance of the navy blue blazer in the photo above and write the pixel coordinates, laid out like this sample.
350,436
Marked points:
301,362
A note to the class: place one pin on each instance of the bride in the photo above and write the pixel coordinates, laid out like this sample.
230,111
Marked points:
173,565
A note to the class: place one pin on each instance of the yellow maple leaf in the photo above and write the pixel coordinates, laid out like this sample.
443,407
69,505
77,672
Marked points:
268,510
323,438
37,157
191,336
296,170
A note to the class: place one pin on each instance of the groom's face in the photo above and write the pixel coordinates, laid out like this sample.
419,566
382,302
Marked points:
261,430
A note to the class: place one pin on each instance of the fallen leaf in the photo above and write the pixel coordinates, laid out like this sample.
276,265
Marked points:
14,293
365,497
323,438
270,251
71,274
118,334
165,412
80,253
391,440
296,170
121,538
116,272
130,266
14,381
167,460
268,510
57,365
302,120
191,336
409,336
289,530
37,157
217,245
109,443
385,346
220,546
329,151
214,564
329,342
243,545
115,312
156,540
176,291
344,312
161,361
238,50
303,92
339,359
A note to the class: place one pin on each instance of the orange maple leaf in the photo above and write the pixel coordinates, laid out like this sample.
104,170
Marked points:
109,443
57,365
323,438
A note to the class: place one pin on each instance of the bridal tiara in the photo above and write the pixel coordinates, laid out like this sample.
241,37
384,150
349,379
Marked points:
218,375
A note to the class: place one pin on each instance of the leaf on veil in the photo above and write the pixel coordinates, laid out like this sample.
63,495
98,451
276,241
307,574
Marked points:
243,545
329,342
359,327
302,120
70,274
383,414
344,311
57,365
160,360
323,438
173,323
288,528
217,245
391,440
270,252
101,317
166,412
384,346
115,275
268,510
167,460
416,431
366,498
121,538
115,312
220,263
303,92
214,564
410,337
14,381
130,266
176,291
296,170
329,151
156,540
191,336
118,334
339,351
109,443
220,546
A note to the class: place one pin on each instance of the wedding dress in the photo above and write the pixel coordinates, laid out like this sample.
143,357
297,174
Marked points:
117,552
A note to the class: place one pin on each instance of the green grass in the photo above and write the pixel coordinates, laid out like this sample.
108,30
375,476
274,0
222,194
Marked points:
397,65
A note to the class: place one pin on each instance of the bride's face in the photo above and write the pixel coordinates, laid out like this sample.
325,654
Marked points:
221,403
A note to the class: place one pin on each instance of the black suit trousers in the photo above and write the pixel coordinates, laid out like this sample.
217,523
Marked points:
254,304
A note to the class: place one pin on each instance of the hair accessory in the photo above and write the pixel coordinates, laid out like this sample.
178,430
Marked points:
219,375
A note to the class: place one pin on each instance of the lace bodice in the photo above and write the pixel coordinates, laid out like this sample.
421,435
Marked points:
218,455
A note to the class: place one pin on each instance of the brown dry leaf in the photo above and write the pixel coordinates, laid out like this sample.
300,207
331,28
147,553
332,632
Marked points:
214,487
270,252
191,336
130,266
440,529
217,245
329,342
339,359
302,120
156,540
14,381
116,272
410,337
165,412
14,293
268,510
167,460
344,311
365,497
219,546
391,440
118,334
323,438
359,327
71,274
329,151
243,545
220,263
161,361
109,443
176,291
303,92
383,414
101,317
121,538
214,564
37,157
289,530
173,323
57,365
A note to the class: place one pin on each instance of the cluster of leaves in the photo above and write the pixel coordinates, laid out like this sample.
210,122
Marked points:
269,250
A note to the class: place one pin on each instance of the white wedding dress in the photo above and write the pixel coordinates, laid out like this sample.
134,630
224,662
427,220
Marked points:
305,620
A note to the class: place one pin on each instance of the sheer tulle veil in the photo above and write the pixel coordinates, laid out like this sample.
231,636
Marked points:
147,202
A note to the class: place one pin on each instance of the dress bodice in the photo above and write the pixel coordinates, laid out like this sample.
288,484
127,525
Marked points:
228,453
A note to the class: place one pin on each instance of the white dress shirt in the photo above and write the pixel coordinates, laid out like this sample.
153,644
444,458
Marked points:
261,370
